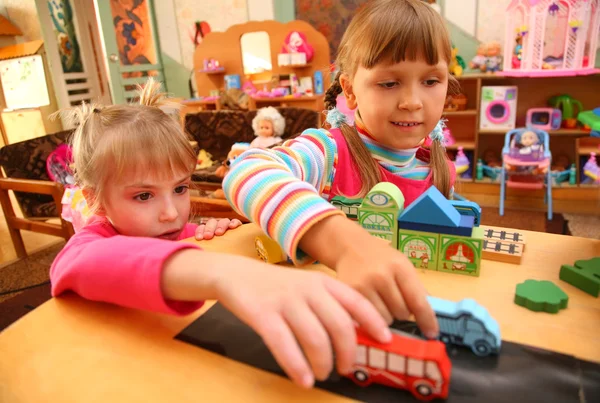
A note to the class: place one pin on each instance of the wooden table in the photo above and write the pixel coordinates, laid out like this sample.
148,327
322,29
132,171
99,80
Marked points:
72,350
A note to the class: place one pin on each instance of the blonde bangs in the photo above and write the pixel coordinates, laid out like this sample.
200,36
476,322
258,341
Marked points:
392,32
159,149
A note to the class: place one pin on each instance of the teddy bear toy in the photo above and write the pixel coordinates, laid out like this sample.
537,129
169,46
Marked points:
236,150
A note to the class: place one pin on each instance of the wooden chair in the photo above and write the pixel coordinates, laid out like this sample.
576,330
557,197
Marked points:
24,173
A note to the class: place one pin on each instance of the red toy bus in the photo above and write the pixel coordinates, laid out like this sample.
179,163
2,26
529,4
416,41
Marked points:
407,362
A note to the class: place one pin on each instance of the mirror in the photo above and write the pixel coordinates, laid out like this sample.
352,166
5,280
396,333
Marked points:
256,52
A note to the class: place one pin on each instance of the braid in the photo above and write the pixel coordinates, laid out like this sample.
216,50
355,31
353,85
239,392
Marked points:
334,90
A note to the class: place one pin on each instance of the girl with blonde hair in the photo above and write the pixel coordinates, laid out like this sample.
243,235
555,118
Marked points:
134,165
393,70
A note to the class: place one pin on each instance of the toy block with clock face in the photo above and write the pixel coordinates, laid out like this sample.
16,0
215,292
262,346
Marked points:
379,211
421,248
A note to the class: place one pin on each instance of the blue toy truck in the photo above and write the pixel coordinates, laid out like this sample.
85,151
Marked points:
468,324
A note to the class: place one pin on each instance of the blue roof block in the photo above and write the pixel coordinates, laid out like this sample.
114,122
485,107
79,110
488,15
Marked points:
431,208
465,227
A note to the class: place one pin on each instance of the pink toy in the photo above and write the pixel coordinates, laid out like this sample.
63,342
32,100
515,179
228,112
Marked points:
591,169
544,118
295,42
462,162
551,37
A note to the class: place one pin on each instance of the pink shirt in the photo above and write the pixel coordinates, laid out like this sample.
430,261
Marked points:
347,177
99,264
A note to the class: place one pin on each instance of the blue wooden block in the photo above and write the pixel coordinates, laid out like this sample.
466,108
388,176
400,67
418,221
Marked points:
464,229
431,208
467,323
468,208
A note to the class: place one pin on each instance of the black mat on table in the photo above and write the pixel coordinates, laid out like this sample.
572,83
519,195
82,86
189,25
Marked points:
518,374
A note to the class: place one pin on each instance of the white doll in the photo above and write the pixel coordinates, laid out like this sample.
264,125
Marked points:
268,126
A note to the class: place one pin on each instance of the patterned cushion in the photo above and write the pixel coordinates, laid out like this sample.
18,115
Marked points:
27,160
217,131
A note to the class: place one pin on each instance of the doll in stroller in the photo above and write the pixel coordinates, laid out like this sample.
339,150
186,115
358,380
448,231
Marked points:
526,162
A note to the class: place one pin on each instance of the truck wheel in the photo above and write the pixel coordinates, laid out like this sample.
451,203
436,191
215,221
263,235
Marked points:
482,348
361,378
423,391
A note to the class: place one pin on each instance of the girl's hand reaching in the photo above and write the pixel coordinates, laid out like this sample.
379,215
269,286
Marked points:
215,227
303,317
370,265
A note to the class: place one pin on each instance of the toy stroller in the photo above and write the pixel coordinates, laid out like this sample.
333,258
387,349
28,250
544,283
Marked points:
526,164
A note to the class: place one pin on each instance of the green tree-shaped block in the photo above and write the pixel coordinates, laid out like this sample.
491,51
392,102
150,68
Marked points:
541,296
585,275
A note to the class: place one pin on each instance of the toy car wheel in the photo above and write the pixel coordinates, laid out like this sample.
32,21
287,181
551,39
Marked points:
423,390
361,378
482,348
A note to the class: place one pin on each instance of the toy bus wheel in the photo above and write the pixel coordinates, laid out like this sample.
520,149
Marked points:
482,348
361,378
423,391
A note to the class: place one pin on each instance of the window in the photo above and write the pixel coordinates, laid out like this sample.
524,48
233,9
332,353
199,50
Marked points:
415,367
474,326
376,358
353,210
432,371
361,355
396,363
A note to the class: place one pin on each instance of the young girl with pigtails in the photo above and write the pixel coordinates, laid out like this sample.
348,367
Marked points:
393,71
134,164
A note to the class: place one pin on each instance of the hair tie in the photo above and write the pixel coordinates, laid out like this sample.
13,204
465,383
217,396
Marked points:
437,134
335,118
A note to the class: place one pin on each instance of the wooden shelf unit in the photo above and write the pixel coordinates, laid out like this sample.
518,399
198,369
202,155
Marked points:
532,92
225,47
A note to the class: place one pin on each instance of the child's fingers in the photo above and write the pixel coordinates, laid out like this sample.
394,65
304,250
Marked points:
390,294
280,340
234,223
199,234
374,297
209,228
361,309
340,327
415,298
222,226
313,338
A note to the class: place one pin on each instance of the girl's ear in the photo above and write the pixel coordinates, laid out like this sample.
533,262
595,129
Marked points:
90,199
348,91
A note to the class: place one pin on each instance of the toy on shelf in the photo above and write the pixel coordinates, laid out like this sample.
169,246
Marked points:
236,150
419,366
489,166
457,64
268,126
591,171
554,38
526,163
212,66
563,170
295,50
541,296
591,120
466,323
567,106
498,108
455,103
502,246
493,58
204,160
585,275
544,118
431,232
478,62
462,164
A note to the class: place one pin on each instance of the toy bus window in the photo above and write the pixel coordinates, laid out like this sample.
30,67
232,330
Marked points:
396,363
432,371
361,355
376,358
474,326
415,367
353,210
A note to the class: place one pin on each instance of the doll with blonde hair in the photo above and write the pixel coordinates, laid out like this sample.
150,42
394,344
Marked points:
268,126
393,71
134,164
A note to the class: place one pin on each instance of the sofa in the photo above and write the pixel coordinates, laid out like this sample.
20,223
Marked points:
217,131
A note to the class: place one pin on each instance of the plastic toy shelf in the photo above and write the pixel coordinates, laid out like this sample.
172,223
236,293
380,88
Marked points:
213,72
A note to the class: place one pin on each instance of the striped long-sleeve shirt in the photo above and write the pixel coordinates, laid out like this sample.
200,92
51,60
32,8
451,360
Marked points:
285,189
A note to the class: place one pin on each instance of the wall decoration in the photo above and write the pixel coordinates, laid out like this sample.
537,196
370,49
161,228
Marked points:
61,14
